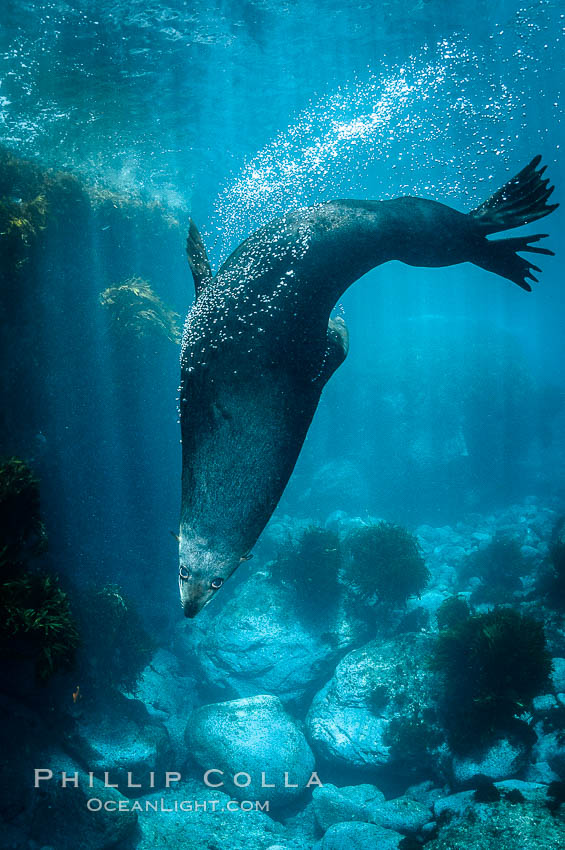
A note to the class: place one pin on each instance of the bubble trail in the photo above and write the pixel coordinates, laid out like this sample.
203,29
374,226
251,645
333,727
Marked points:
405,118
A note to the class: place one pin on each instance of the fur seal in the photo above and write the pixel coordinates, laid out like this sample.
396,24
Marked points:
259,346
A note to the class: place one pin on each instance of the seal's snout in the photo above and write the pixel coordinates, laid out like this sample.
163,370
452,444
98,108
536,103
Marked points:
191,609
202,572
194,592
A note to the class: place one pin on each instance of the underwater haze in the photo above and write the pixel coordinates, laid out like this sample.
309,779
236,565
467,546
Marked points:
388,670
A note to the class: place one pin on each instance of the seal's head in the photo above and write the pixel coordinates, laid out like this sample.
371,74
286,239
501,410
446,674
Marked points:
202,572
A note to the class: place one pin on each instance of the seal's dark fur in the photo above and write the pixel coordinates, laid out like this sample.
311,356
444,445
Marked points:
258,347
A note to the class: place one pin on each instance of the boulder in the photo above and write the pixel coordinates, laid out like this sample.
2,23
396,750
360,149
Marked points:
302,825
350,717
256,745
504,825
401,814
258,643
543,703
550,749
458,805
118,738
281,530
365,803
359,836
502,760
429,601
339,482
69,817
540,771
334,805
426,792
454,805
558,675
533,792
168,695
207,822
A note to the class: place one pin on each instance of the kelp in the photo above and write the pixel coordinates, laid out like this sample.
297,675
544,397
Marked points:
492,665
124,205
36,622
385,559
311,568
31,200
37,203
22,533
23,209
115,645
134,310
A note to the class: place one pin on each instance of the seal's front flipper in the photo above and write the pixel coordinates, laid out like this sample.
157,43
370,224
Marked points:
197,258
520,201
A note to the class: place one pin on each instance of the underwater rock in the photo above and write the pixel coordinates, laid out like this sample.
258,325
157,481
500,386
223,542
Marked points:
442,545
504,759
119,737
282,530
338,482
454,805
506,825
432,536
334,805
550,748
359,836
429,601
342,523
458,805
366,803
167,694
533,792
354,718
22,738
257,736
60,816
450,553
303,825
540,772
115,646
543,703
426,792
258,644
481,537
558,675
207,826
401,814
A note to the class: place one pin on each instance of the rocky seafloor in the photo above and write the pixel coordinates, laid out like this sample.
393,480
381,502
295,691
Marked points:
279,689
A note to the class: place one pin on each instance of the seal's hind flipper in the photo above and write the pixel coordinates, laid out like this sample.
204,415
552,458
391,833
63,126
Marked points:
197,258
520,201
501,257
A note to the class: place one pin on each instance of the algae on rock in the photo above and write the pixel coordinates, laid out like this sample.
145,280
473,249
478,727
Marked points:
133,308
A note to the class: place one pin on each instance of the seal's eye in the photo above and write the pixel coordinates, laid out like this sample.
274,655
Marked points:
216,583
183,573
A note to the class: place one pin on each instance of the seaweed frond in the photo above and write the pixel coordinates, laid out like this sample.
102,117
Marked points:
135,310
36,622
385,559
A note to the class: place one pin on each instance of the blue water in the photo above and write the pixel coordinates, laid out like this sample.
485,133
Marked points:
238,112
233,113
